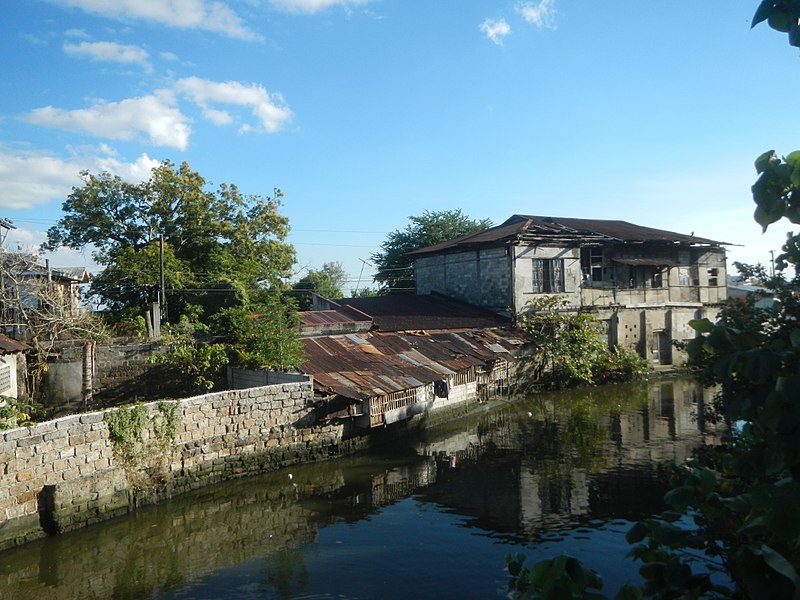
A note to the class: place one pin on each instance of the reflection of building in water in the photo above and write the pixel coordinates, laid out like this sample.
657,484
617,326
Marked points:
401,482
543,472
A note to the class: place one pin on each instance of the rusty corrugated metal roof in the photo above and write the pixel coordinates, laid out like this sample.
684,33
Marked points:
9,345
375,363
341,315
406,312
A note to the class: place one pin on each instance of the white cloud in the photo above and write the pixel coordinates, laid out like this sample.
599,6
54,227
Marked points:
542,13
154,115
269,109
110,52
185,14
313,6
495,30
31,179
77,33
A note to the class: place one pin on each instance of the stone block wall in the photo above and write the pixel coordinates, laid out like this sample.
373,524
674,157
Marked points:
67,473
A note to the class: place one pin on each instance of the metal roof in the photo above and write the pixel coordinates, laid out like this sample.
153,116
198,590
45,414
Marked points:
375,363
530,228
406,312
340,316
9,345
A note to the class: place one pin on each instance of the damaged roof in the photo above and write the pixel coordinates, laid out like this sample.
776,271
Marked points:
365,364
529,228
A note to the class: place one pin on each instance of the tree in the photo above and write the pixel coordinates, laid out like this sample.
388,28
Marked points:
394,269
217,246
328,282
569,349
224,258
42,312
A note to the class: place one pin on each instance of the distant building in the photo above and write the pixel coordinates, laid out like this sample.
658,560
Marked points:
645,284
28,283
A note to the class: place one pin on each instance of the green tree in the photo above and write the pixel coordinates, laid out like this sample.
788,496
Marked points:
569,347
225,258
261,335
327,282
394,269
217,245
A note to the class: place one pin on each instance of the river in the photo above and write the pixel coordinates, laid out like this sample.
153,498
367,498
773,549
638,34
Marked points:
432,517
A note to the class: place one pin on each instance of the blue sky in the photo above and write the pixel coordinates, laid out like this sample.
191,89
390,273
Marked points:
365,112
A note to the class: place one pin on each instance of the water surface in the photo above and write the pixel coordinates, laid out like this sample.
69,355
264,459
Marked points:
432,517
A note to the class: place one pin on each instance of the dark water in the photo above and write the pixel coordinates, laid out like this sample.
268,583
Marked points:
432,518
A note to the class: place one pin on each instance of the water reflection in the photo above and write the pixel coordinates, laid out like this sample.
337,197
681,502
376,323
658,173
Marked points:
570,468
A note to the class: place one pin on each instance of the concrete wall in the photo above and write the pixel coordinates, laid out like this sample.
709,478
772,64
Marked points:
122,374
64,474
479,277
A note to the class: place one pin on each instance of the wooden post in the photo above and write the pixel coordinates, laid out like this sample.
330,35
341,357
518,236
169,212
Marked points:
87,372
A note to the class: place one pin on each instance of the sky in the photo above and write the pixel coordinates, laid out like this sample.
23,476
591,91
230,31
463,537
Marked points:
367,112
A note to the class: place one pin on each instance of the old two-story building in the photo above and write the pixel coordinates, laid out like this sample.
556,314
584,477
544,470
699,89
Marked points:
645,284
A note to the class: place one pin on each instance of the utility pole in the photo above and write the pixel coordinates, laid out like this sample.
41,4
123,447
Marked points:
163,291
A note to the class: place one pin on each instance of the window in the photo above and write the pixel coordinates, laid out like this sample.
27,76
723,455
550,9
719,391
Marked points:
548,276
688,276
592,263
656,281
5,378
713,277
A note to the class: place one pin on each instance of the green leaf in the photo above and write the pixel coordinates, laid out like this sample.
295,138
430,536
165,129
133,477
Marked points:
794,33
793,158
780,20
763,12
764,161
701,325
681,496
778,563
629,592
765,218
636,533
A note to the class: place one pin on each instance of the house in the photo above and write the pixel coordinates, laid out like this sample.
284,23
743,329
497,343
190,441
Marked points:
644,284
415,355
12,367
28,283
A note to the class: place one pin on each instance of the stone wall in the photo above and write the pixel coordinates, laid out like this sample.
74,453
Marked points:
67,473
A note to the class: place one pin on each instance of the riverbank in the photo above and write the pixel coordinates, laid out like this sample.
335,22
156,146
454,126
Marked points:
71,472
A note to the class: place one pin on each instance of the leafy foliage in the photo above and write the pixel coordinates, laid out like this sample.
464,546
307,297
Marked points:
261,335
143,457
225,258
569,348
16,413
327,282
394,269
781,15
218,246
200,363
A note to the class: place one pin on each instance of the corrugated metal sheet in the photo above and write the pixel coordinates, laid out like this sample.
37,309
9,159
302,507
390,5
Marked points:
378,363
